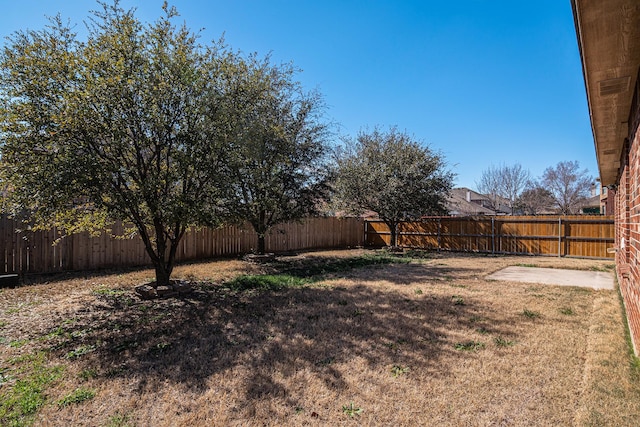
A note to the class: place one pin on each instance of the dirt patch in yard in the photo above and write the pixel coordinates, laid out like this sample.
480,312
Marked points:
327,338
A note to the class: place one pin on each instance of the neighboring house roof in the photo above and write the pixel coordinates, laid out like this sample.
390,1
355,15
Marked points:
464,201
591,204
468,194
458,205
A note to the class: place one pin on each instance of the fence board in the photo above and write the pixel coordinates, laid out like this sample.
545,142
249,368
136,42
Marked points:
24,251
577,235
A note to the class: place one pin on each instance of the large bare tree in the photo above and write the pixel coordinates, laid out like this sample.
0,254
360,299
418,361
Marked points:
568,185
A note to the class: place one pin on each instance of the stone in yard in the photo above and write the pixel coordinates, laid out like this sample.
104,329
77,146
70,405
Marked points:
260,258
174,288
182,288
146,292
166,291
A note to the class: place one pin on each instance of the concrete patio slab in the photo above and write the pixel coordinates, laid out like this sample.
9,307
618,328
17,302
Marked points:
556,276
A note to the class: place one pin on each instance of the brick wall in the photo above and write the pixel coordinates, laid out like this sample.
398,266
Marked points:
627,212
609,202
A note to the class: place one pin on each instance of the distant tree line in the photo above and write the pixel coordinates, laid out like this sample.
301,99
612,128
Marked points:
563,188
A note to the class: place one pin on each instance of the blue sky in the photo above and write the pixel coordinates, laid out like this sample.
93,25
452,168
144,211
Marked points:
484,82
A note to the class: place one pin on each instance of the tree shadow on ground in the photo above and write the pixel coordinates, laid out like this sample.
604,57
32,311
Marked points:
316,327
320,268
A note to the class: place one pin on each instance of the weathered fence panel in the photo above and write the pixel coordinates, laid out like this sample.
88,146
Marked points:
577,235
23,251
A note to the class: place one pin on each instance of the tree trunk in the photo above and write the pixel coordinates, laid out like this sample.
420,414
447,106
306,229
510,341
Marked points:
163,272
162,261
261,228
393,227
261,244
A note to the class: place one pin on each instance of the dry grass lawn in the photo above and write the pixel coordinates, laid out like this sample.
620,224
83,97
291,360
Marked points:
428,342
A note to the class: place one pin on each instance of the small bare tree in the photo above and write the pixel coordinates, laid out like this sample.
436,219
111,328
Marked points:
490,184
506,182
514,181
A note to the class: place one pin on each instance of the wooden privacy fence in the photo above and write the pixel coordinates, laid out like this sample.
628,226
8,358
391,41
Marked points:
34,252
579,235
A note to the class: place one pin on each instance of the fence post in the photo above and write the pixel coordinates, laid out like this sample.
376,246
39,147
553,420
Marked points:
366,227
439,225
559,236
493,235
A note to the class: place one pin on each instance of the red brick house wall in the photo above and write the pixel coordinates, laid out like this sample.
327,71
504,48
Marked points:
627,213
608,34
